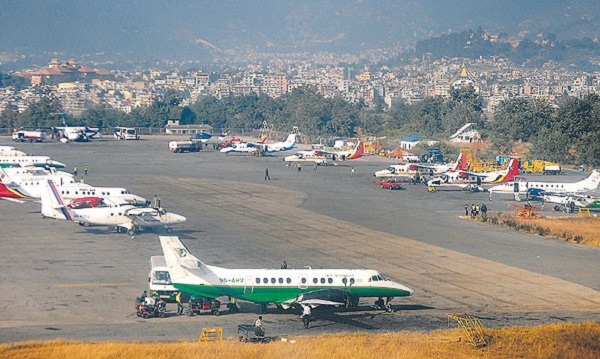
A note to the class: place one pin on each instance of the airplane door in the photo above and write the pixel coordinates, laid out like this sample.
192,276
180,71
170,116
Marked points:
302,281
516,187
248,285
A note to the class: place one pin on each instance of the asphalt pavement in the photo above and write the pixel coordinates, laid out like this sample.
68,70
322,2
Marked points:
61,280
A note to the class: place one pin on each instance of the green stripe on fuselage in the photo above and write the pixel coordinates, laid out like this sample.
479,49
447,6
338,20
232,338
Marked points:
280,294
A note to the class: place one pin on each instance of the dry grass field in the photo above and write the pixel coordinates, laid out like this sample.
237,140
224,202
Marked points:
565,340
582,230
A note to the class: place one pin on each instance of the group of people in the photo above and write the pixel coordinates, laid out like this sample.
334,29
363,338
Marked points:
475,210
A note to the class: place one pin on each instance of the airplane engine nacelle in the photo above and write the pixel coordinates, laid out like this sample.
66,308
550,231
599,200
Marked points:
463,175
412,167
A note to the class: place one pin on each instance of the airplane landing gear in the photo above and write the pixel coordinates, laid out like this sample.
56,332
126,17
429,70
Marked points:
263,308
387,306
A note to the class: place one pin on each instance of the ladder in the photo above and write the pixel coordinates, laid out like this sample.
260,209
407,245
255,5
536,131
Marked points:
471,327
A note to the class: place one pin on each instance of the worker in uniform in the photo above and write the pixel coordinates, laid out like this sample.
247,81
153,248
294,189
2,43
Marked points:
259,329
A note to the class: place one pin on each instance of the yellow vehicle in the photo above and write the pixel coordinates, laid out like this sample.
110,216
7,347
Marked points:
539,166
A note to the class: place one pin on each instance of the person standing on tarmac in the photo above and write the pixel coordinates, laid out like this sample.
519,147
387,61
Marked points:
85,170
267,177
299,167
259,330
75,171
179,305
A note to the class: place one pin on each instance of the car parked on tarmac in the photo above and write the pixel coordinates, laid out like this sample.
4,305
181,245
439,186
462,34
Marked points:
390,183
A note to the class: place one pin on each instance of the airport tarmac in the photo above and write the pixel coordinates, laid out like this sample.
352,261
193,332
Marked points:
61,280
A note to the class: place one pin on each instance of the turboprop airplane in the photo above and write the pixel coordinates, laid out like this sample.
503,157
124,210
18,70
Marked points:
204,136
464,179
284,287
76,133
286,145
308,156
587,184
240,147
352,154
28,182
38,161
440,168
125,218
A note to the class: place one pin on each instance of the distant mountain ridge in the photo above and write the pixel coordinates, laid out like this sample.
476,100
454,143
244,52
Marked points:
138,30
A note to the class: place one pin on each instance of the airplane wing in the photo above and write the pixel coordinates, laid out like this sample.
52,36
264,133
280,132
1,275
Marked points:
141,211
323,297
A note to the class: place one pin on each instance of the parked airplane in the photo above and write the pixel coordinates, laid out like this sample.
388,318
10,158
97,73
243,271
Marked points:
323,156
11,151
125,218
587,184
411,169
308,156
76,133
465,179
440,168
240,147
399,170
284,287
286,145
204,136
28,182
38,161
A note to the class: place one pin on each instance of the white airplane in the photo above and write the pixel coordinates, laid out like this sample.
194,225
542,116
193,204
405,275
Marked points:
411,169
308,156
11,151
284,287
464,179
76,133
587,184
286,145
28,182
38,161
240,147
323,156
440,168
125,218
399,170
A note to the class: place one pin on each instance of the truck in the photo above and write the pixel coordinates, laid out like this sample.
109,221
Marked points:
539,166
29,136
185,146
159,280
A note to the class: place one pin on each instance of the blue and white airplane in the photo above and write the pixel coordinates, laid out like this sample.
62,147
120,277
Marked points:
205,136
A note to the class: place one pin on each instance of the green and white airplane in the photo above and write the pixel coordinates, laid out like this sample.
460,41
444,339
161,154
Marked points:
284,287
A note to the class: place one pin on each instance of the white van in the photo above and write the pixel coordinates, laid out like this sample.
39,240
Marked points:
159,280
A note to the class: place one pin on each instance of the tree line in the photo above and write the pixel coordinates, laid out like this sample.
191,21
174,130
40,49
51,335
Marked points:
569,134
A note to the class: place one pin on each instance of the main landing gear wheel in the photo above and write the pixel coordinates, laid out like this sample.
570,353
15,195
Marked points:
169,230
131,231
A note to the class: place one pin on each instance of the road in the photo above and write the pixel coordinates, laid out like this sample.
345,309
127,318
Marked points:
65,281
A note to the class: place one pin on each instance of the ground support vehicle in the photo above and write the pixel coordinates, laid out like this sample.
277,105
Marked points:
158,309
249,333
29,136
199,305
185,146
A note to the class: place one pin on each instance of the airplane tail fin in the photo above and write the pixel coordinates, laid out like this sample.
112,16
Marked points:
53,205
291,140
461,162
513,169
592,182
180,261
359,150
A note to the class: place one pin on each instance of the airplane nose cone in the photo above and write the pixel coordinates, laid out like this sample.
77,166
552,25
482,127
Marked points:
178,218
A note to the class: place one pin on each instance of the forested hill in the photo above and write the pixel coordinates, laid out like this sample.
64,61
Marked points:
531,51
